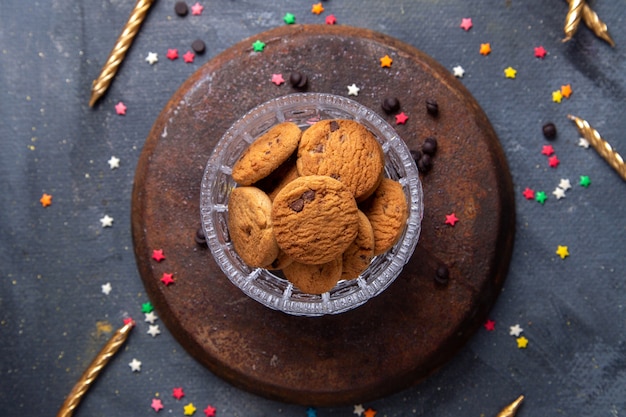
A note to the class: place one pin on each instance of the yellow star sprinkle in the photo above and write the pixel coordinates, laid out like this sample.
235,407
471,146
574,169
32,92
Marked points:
317,8
189,409
566,90
562,251
557,96
386,61
522,342
45,200
510,72
485,49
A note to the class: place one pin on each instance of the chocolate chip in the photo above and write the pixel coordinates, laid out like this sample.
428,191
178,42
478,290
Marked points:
549,130
198,46
432,107
333,126
430,146
298,80
416,155
297,205
181,8
200,238
425,163
391,105
442,275
308,195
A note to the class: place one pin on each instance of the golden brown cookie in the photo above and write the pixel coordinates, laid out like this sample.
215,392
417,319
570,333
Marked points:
344,150
387,211
280,177
281,261
250,226
359,254
314,219
266,153
314,279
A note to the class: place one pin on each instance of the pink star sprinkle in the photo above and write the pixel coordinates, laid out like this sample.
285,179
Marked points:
188,57
553,161
540,52
172,54
209,411
466,23
120,108
156,404
197,9
401,118
178,393
157,255
547,150
451,219
331,19
490,325
129,320
167,279
278,79
529,194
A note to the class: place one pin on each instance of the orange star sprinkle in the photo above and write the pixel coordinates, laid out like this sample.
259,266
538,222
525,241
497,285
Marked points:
566,90
485,49
317,8
386,61
45,200
369,412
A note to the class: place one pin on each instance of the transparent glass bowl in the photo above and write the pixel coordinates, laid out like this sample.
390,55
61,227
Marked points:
266,287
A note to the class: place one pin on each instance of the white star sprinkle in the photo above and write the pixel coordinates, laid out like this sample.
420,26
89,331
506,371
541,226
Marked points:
583,143
151,317
152,58
353,90
135,365
565,184
358,409
559,193
114,162
515,330
106,288
106,221
458,71
154,330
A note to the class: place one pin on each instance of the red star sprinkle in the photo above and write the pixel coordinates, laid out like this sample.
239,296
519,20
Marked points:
547,150
209,411
188,57
129,320
178,393
278,79
529,194
120,108
540,52
167,279
466,23
156,404
331,19
157,255
172,54
490,325
196,9
451,219
553,161
401,118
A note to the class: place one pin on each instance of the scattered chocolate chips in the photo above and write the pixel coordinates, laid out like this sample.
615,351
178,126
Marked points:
549,130
200,238
181,8
308,195
432,107
417,155
298,80
442,275
333,125
198,46
430,146
390,105
297,205
425,163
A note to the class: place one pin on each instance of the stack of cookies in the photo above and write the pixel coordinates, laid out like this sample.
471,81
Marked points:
314,204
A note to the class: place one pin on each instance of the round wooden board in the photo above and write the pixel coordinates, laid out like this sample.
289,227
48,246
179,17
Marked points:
397,338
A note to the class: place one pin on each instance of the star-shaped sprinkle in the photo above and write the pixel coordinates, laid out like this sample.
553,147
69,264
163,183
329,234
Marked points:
135,365
106,221
540,52
278,79
451,219
370,412
566,90
401,118
583,143
559,193
557,96
114,162
120,108
553,161
209,411
150,317
353,90
154,330
485,49
156,405
317,8
515,330
358,409
311,412
178,393
386,61
331,19
547,150
490,325
565,184
196,9
152,58
289,18
147,307
529,194
458,71
189,57
522,342
129,320
258,46
540,197
172,54
106,288
45,200
167,279
585,181
562,251
466,23
157,255
189,409
510,72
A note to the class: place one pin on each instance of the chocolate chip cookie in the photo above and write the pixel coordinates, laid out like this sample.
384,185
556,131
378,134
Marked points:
359,254
314,279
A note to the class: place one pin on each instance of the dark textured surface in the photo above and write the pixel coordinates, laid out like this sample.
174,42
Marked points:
55,259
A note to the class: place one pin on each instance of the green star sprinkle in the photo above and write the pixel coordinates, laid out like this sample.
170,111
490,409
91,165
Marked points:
289,19
258,46
585,181
147,307
541,197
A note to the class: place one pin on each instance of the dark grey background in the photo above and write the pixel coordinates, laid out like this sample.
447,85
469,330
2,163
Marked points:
54,260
